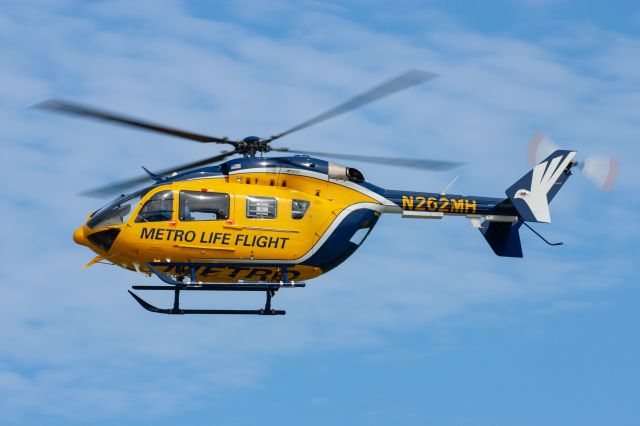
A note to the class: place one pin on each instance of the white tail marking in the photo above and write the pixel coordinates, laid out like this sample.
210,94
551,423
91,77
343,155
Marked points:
544,176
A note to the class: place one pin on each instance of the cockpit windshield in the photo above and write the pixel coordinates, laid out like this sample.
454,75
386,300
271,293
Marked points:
116,212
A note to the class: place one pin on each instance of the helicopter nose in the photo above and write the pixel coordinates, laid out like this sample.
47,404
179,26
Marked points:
78,236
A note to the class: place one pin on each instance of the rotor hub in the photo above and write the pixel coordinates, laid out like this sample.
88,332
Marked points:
251,145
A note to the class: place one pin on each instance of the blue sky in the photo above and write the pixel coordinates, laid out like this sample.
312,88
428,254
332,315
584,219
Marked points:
423,325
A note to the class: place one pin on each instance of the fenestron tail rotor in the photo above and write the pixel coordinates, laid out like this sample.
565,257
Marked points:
252,145
600,169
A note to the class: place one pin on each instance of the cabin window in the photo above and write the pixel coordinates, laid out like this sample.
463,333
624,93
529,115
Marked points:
262,207
159,208
197,205
299,208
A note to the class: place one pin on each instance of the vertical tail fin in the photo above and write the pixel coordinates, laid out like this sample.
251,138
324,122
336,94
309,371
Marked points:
532,194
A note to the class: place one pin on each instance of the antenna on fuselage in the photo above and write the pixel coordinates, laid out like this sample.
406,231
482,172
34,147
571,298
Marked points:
152,175
446,188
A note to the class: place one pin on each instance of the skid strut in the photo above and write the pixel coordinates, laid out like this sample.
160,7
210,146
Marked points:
177,286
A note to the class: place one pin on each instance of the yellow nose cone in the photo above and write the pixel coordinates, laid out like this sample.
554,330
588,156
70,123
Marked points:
78,236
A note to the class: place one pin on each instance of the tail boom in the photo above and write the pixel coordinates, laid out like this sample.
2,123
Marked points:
498,219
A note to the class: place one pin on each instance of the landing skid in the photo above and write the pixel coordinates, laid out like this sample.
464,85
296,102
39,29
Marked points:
178,286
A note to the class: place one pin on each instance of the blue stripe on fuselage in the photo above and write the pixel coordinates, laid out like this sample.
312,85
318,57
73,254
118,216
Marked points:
338,247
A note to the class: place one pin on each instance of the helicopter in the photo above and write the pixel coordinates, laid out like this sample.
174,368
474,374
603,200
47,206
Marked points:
262,223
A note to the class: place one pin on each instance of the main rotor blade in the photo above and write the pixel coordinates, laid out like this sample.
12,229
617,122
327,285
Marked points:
86,111
119,187
403,81
414,163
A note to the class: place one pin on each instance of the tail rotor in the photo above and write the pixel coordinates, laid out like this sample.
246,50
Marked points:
601,170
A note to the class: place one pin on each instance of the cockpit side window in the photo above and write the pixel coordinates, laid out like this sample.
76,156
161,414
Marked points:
158,208
299,208
116,212
195,205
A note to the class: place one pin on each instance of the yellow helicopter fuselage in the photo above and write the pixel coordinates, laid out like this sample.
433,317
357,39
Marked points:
261,226
253,219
